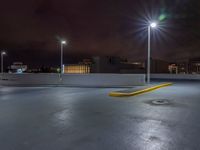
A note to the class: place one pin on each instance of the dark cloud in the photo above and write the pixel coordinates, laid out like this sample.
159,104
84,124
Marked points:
30,30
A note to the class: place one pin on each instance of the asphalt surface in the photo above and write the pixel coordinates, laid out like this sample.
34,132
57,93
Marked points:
60,118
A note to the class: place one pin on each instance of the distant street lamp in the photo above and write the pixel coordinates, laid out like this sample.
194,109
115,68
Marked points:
2,53
61,60
151,25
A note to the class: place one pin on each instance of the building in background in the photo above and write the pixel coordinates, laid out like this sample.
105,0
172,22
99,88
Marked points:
159,66
132,67
116,65
183,67
82,67
101,64
77,68
186,66
105,64
179,67
173,68
110,64
194,66
17,67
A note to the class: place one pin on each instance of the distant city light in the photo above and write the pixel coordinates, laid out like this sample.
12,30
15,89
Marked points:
58,70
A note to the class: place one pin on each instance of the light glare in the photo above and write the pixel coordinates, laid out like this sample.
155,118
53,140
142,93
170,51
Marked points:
153,24
3,53
63,42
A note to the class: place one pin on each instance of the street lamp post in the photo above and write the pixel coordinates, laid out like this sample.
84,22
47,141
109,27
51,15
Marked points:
2,53
61,56
151,25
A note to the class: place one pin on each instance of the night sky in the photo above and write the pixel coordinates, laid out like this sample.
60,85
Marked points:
30,30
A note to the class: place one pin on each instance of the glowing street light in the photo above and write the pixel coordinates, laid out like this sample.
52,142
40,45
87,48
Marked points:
151,25
61,60
63,42
2,53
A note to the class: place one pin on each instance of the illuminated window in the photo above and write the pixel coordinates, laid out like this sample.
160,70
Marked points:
79,69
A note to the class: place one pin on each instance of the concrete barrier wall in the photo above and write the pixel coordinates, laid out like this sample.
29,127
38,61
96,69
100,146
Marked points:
94,80
176,76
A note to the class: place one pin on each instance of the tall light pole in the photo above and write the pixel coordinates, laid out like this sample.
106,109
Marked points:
61,59
151,25
2,53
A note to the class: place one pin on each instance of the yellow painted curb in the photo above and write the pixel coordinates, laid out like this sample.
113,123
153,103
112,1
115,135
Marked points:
121,94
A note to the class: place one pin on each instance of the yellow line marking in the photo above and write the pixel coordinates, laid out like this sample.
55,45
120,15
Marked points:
121,94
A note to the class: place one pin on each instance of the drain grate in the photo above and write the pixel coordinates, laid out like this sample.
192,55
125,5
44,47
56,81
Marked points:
160,102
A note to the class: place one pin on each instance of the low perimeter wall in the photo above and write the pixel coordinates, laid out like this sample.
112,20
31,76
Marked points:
90,80
176,76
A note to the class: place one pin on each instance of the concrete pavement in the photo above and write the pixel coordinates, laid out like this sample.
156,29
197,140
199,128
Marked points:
60,118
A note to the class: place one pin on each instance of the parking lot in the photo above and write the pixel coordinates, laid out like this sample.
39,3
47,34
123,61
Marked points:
64,118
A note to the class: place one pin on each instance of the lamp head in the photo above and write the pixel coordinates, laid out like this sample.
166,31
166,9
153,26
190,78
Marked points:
63,42
3,53
153,24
